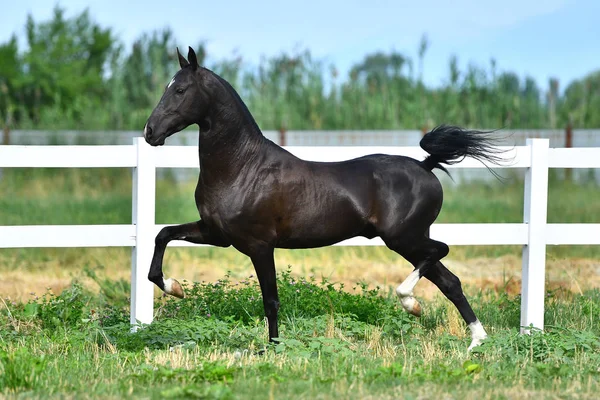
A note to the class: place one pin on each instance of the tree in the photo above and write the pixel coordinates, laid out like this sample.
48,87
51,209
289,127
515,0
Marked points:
10,80
65,63
582,102
379,68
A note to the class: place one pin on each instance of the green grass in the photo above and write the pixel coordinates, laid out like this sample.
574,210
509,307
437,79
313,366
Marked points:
334,344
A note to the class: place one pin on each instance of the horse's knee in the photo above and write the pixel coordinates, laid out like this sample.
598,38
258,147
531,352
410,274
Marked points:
443,250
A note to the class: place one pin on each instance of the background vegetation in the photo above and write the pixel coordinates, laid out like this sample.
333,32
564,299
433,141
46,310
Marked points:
76,74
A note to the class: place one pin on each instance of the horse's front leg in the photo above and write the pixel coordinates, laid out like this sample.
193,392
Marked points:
194,232
264,265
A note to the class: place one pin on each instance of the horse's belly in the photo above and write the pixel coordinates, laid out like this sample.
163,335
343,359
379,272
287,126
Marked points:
322,231
309,242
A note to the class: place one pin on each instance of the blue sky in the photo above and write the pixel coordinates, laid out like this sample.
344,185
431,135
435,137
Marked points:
555,38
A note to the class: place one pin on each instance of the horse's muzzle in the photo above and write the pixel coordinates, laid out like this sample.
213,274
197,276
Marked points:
147,131
151,139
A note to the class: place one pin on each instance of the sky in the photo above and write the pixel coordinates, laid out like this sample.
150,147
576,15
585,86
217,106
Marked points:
542,39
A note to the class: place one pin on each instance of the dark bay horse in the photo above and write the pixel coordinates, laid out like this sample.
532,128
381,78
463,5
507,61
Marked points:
256,196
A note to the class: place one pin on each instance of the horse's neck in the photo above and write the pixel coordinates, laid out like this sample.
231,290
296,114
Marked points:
232,146
221,167
236,142
232,97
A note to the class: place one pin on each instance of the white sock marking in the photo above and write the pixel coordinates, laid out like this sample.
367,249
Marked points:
168,286
405,289
478,334
408,303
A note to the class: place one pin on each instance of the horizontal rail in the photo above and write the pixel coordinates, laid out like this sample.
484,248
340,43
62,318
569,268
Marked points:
22,236
585,157
187,156
29,236
67,156
451,234
568,234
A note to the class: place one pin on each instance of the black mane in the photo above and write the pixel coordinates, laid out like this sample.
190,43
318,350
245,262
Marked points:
239,100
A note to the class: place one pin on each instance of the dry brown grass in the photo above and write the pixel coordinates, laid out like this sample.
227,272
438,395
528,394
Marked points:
25,271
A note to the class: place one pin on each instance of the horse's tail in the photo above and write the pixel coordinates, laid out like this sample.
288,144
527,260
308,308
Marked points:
450,145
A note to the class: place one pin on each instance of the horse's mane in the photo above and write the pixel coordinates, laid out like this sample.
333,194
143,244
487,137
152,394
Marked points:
238,99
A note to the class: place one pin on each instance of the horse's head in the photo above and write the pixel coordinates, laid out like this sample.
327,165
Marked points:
184,102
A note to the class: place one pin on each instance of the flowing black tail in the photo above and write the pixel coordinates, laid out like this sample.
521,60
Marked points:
451,144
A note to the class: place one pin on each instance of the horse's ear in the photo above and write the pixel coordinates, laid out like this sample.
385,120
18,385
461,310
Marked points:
182,61
192,58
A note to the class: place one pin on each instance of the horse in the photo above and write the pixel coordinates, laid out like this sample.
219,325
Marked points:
256,196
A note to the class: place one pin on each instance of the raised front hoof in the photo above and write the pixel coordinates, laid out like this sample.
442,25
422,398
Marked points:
174,288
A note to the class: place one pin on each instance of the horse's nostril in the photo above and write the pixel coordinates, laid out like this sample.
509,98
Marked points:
147,131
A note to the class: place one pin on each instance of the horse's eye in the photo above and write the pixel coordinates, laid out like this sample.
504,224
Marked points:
180,90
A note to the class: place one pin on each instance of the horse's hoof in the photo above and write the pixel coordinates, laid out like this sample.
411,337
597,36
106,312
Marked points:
416,310
262,352
478,334
412,306
474,343
174,288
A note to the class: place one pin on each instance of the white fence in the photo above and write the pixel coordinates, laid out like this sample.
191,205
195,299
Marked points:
533,233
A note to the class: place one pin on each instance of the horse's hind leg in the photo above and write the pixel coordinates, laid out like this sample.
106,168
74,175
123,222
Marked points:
423,253
194,232
450,286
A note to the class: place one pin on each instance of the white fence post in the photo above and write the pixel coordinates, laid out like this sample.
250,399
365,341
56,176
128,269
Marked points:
143,216
535,210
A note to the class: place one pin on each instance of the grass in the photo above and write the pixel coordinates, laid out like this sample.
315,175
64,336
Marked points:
335,342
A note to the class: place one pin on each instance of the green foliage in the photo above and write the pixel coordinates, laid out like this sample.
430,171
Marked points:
206,372
228,312
442,372
56,312
299,298
582,100
194,391
77,74
62,71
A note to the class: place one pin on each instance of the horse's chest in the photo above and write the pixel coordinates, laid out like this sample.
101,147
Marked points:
219,210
